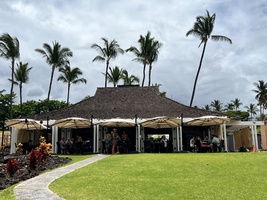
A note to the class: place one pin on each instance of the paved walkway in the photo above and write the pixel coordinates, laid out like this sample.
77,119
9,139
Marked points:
37,188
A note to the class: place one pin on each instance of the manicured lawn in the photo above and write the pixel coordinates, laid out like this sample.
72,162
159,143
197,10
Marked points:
7,194
169,176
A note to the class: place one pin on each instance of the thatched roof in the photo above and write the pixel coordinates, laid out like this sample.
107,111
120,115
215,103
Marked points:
126,102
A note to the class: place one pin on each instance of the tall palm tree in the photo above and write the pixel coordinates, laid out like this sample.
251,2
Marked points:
56,56
9,49
217,105
236,103
144,53
128,80
70,76
114,75
153,57
252,109
202,29
21,76
106,53
261,94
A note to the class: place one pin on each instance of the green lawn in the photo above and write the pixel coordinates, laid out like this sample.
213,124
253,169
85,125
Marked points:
7,194
169,176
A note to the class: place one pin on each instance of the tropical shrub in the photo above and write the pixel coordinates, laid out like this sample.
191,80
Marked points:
11,167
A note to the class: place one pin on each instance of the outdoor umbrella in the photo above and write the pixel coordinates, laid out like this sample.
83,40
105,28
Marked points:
208,121
26,124
72,122
162,122
117,122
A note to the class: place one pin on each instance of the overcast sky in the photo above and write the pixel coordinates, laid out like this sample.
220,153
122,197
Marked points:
228,71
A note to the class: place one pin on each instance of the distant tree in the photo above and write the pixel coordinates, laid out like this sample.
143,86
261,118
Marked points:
236,103
70,76
106,53
56,56
252,109
261,94
202,29
242,114
128,80
217,105
9,49
114,75
4,105
207,107
229,106
144,52
21,76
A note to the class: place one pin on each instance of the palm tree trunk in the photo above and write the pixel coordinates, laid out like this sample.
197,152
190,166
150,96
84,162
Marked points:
20,96
11,89
144,74
106,74
50,86
68,96
149,75
199,67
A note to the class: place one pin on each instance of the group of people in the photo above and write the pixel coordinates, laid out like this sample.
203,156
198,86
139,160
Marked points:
114,143
205,145
70,146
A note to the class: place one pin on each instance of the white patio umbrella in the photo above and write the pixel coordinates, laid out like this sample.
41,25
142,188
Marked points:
117,122
208,121
72,122
162,122
26,124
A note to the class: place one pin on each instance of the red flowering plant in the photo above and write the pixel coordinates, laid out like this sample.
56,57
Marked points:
11,167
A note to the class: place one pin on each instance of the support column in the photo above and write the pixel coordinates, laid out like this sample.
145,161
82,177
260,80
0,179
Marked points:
181,139
225,138
14,139
54,139
178,138
139,130
174,140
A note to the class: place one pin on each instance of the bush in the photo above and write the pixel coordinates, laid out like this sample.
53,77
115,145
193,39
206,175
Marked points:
11,167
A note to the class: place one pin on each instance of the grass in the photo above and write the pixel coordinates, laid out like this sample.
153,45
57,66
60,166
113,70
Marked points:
169,176
7,194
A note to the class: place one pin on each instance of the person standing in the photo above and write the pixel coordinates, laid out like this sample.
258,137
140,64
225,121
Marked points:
115,141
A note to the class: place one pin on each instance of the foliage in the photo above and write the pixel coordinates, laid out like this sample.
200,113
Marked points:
12,166
114,75
128,79
242,114
19,147
36,157
33,159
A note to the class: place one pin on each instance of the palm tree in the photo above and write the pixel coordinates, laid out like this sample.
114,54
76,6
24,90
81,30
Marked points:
144,53
128,80
207,107
9,49
114,75
261,94
252,109
202,29
153,57
106,53
55,56
236,103
21,76
229,106
70,76
217,105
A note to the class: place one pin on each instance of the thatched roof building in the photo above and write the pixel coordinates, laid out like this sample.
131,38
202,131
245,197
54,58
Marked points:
126,102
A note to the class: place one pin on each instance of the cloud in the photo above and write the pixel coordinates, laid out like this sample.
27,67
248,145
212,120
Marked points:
228,71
